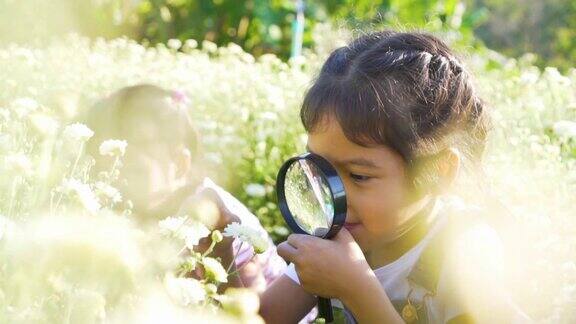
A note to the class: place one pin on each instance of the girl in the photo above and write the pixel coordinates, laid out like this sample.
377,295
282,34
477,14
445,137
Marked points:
161,173
398,117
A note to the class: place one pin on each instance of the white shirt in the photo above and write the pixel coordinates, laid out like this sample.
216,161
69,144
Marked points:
393,276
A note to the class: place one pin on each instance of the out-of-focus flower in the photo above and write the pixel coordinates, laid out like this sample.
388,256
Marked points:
174,43
565,128
190,44
209,46
214,270
255,190
108,191
185,291
20,164
554,75
172,224
113,147
83,192
43,124
193,233
247,234
78,132
241,302
24,106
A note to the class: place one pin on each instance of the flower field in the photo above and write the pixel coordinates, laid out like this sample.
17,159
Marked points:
66,255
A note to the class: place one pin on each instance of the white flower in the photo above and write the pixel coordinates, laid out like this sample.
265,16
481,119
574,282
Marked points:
255,190
209,46
553,74
193,233
24,106
108,191
174,43
247,234
84,194
172,224
185,291
565,128
113,147
19,164
44,124
214,270
190,44
78,132
240,301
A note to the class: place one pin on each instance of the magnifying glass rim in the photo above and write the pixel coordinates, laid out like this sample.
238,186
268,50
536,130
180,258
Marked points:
335,185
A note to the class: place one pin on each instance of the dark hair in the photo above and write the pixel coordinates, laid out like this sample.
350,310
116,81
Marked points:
403,90
131,114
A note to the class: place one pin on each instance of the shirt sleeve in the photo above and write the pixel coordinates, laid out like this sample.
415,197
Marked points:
270,263
291,273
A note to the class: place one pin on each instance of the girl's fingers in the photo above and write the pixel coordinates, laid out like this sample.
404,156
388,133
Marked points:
344,236
287,251
296,240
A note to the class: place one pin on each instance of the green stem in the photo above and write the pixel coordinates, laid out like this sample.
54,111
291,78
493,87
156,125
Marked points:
12,196
234,259
242,266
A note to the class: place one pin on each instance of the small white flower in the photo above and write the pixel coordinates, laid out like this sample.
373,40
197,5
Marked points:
209,46
19,164
247,234
191,44
84,194
108,191
172,224
255,190
269,115
113,147
185,291
44,124
24,106
214,270
174,43
193,233
240,301
78,132
565,128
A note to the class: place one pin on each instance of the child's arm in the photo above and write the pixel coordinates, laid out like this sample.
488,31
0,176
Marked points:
337,268
284,301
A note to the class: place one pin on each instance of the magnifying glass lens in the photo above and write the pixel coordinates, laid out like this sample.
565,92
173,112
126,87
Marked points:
308,197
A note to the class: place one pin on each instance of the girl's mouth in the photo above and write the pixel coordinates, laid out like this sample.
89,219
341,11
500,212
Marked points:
351,226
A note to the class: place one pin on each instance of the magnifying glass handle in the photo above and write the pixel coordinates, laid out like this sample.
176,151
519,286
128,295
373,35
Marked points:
325,309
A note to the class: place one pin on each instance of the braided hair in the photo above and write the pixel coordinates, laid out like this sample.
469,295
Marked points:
407,91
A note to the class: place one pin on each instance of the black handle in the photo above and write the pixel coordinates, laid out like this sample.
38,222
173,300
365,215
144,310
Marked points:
325,309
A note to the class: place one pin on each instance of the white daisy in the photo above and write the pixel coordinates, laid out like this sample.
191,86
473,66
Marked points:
113,147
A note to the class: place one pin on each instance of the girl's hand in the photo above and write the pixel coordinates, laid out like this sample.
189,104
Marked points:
327,268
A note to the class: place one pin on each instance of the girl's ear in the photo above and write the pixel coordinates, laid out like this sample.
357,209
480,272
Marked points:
448,168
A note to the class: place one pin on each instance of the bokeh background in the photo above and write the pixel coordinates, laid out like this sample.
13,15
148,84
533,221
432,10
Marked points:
245,66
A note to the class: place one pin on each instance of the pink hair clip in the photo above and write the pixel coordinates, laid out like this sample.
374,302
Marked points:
180,97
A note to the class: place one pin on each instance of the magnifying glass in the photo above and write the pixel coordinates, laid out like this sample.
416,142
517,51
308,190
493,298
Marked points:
312,200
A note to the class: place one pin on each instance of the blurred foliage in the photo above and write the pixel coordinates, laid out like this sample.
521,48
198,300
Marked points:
266,26
546,28
512,27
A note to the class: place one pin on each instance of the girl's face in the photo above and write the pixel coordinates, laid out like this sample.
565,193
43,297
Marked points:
374,180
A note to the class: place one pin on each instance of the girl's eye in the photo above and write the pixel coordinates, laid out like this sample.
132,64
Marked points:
359,178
